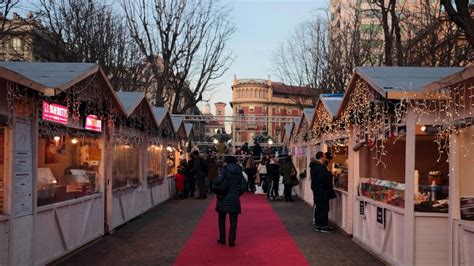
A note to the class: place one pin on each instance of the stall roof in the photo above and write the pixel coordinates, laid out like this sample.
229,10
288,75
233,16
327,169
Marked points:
395,82
392,80
189,129
308,114
465,74
130,100
177,122
47,77
332,102
159,113
287,130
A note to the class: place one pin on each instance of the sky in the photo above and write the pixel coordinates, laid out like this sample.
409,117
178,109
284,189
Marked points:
261,26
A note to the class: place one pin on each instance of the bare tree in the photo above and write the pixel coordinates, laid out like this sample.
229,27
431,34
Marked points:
462,16
90,31
184,45
6,8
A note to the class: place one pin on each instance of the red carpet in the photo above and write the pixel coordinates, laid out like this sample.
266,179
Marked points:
261,239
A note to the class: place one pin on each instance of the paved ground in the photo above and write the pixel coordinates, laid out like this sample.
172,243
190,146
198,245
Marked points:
153,239
158,237
320,249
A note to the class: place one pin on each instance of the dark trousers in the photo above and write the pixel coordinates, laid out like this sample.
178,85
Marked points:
190,187
201,184
288,192
274,188
233,226
321,212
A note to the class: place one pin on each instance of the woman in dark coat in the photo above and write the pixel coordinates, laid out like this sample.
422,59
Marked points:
213,170
273,178
229,202
288,171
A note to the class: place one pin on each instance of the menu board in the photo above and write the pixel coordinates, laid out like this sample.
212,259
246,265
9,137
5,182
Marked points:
93,123
55,113
22,170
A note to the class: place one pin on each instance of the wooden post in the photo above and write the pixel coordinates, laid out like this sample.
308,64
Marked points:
351,185
108,193
409,219
454,194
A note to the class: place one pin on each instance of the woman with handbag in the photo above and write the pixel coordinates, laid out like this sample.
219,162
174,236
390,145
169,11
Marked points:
288,171
229,186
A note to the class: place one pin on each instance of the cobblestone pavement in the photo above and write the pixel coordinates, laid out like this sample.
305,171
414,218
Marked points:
158,237
319,248
155,238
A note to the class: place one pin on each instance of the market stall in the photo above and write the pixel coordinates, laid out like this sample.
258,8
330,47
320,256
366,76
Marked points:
455,126
55,187
329,135
400,181
302,151
5,132
181,137
131,144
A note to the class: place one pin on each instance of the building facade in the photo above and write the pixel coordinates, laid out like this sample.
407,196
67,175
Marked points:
261,97
216,126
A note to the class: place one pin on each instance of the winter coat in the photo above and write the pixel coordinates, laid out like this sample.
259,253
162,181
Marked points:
287,170
212,169
179,179
230,202
257,151
273,171
321,182
262,169
197,169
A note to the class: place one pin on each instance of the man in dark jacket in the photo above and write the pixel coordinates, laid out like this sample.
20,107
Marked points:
229,202
257,151
273,178
199,174
321,185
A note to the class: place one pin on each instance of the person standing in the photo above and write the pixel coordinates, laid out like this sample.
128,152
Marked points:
228,201
190,187
262,174
250,171
180,180
321,185
256,151
273,178
212,168
245,148
199,174
288,172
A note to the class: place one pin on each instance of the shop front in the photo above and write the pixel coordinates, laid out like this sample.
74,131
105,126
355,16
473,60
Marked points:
328,135
132,169
455,128
54,181
400,180
301,150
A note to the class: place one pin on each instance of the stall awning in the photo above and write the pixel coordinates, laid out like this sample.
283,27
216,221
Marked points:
130,100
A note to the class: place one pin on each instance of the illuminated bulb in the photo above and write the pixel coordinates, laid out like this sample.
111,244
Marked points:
57,138
74,141
423,128
215,141
270,141
169,148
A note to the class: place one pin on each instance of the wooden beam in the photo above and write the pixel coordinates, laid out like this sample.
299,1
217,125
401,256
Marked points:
409,219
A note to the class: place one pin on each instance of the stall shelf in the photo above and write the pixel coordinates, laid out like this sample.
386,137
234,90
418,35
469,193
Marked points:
45,99
387,142
456,120
301,150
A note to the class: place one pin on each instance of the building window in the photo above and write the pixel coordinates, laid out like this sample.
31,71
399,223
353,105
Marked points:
251,108
277,110
219,112
16,44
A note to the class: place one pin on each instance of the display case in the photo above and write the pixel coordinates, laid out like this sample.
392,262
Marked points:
388,192
155,164
126,167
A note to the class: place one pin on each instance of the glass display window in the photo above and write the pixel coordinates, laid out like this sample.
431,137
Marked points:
431,175
69,167
126,166
170,160
466,173
155,163
338,167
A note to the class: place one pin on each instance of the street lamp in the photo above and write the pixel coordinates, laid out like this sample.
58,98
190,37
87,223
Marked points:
270,142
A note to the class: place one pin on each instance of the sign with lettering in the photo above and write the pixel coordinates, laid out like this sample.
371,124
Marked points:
55,113
362,208
22,170
381,216
94,124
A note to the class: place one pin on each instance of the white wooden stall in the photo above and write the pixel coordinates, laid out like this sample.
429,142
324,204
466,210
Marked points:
4,239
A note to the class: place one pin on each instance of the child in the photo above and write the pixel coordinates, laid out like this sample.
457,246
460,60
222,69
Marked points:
180,180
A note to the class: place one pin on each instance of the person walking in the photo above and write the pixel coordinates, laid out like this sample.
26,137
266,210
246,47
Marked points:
321,185
262,174
199,174
256,151
250,171
288,172
190,187
212,169
231,185
273,178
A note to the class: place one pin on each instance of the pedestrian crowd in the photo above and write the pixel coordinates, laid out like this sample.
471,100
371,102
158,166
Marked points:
253,170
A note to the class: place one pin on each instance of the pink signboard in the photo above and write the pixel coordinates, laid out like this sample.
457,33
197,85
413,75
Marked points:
94,124
55,113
